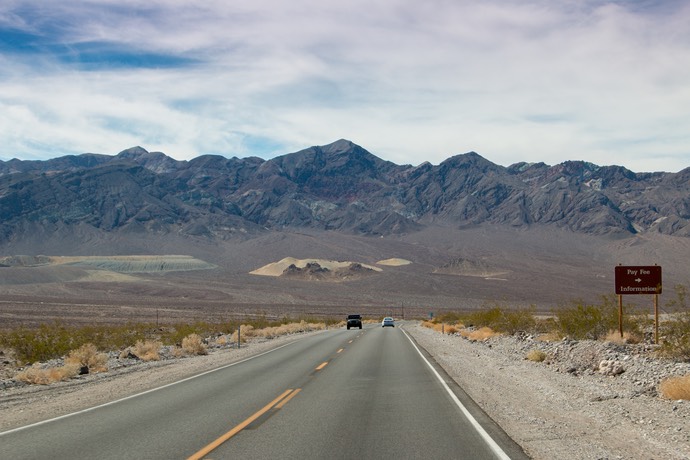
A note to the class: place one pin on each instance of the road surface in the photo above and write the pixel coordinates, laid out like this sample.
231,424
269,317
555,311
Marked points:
366,393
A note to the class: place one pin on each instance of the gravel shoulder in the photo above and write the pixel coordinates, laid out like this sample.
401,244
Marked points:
563,407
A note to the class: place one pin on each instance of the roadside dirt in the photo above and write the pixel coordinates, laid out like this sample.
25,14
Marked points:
565,407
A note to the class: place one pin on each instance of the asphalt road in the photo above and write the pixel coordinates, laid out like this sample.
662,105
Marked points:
341,394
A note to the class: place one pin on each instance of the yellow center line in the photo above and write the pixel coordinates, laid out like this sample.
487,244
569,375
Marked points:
322,365
287,399
340,350
215,444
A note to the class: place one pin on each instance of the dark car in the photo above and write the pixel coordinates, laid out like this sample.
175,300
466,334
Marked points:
354,321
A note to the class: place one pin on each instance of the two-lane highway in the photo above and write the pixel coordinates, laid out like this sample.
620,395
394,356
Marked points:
340,394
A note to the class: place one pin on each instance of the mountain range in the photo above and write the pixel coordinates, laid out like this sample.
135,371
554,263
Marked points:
340,187
92,237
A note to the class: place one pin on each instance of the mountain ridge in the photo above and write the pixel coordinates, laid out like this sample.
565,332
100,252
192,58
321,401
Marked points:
336,187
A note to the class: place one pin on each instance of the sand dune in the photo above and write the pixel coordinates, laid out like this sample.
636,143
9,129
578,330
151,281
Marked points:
394,262
136,263
277,268
27,270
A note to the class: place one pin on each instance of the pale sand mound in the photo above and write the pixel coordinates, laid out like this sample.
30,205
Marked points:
277,268
395,262
135,263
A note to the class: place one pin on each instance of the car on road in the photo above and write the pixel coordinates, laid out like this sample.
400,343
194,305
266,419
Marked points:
354,321
388,321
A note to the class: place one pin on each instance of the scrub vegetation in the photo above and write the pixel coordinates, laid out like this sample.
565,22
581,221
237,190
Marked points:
584,321
56,352
536,355
576,321
85,359
676,388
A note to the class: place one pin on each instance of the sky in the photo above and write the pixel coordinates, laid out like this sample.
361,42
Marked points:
410,81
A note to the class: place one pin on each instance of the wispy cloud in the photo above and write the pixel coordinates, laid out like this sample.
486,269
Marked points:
602,81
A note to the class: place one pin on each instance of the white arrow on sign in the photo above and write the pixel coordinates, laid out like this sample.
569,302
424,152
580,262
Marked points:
639,280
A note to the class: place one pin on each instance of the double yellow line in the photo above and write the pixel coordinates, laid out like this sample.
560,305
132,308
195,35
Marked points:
277,403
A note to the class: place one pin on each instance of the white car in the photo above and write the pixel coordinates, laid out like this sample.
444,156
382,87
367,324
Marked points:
387,321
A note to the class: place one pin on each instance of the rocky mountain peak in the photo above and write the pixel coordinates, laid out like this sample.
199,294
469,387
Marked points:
154,161
133,153
339,186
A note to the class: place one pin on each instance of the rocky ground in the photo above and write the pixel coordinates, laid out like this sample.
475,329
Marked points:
586,400
567,406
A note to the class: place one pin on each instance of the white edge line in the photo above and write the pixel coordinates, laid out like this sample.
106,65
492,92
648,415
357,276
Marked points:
43,422
487,438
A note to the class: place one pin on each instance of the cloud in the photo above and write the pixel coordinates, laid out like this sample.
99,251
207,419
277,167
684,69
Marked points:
548,81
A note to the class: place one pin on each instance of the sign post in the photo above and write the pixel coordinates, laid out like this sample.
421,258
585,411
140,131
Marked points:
638,280
656,319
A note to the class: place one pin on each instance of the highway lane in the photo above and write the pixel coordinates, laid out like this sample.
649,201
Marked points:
339,394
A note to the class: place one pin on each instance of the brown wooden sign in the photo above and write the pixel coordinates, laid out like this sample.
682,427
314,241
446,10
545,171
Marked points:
638,280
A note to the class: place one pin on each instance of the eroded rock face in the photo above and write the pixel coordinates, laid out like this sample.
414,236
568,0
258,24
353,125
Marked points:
310,270
314,271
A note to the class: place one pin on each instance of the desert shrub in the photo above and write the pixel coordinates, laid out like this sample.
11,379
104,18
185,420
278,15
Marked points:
450,317
41,344
311,320
451,330
676,388
88,356
148,350
176,333
550,336
248,330
428,324
286,329
329,322
546,325
222,340
193,345
504,320
517,320
487,317
675,334
442,327
482,333
39,375
121,336
241,333
678,304
582,321
628,337
50,341
260,322
536,355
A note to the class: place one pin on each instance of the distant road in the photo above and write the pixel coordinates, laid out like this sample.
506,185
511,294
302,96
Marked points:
341,394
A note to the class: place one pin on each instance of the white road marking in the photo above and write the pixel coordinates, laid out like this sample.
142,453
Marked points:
83,411
487,438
